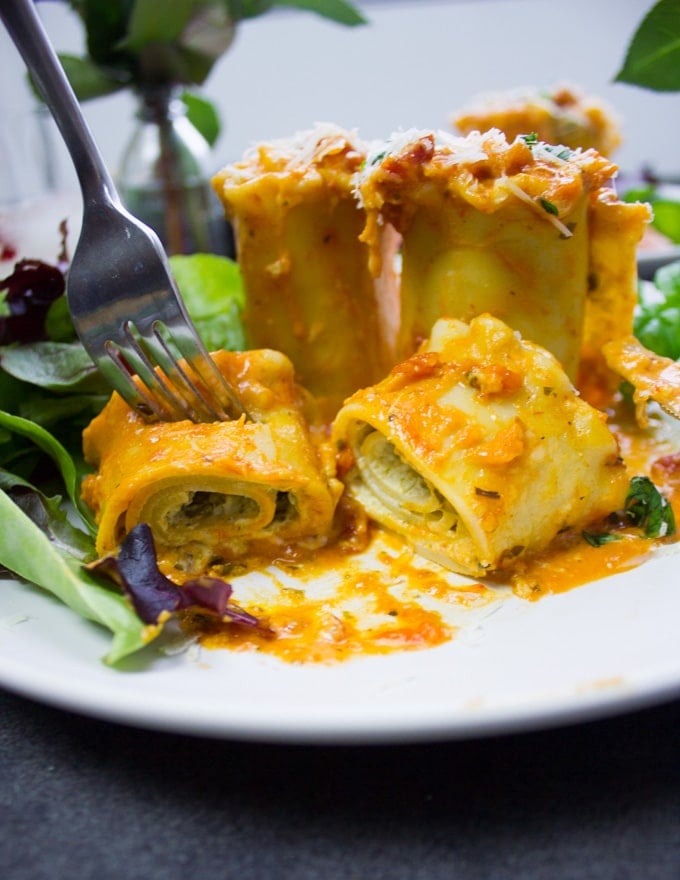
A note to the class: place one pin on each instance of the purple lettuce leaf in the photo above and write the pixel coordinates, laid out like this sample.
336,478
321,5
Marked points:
214,594
30,291
154,596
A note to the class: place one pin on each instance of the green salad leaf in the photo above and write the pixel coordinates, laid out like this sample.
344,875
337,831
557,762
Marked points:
653,57
49,514
54,449
54,366
29,553
212,290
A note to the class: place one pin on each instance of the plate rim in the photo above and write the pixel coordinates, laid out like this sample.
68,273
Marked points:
527,708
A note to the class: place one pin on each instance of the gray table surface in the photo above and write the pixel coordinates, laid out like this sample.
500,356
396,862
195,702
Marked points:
82,798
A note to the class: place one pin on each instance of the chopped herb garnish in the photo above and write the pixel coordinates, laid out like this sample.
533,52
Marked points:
597,539
549,207
530,139
648,509
563,153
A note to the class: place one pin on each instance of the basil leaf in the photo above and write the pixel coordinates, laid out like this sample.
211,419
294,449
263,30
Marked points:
147,24
597,539
106,25
648,509
27,552
653,57
667,280
335,10
667,218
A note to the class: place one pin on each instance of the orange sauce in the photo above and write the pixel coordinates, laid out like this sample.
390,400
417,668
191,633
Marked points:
396,605
571,562
364,615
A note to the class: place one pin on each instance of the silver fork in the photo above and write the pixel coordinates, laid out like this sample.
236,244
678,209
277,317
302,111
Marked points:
121,294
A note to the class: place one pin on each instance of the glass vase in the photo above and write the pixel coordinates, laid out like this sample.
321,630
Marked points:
164,177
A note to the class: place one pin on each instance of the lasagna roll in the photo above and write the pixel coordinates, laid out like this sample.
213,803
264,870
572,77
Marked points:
561,114
495,227
214,491
477,449
617,229
308,289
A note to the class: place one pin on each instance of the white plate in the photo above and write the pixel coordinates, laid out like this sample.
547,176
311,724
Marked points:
597,650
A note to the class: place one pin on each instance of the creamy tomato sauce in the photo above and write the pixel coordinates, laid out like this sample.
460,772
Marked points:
401,601
364,614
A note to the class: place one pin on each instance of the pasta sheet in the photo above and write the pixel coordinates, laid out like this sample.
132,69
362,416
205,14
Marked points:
477,449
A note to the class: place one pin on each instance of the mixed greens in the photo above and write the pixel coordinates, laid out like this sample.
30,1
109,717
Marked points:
142,44
49,391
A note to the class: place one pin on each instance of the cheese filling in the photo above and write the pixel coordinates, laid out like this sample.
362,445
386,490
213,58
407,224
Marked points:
397,486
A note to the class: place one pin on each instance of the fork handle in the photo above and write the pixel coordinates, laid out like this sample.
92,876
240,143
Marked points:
28,34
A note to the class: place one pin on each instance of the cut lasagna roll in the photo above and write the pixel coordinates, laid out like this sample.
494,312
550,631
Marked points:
214,491
477,449
561,114
502,228
309,292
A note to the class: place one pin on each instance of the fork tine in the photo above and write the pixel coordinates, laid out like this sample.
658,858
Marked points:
119,277
170,394
152,386
117,371
185,392
223,399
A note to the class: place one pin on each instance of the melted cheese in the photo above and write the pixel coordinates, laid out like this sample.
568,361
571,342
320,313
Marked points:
562,114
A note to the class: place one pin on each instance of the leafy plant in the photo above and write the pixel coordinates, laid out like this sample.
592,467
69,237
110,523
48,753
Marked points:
653,57
145,43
